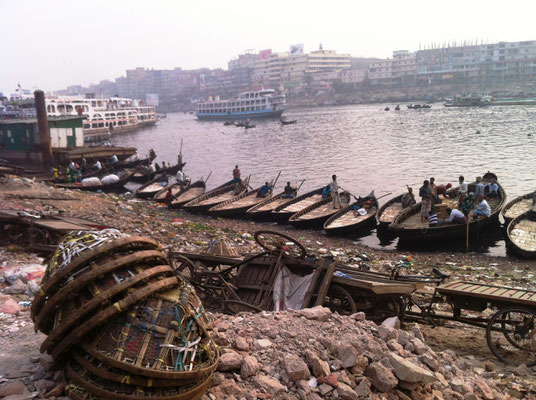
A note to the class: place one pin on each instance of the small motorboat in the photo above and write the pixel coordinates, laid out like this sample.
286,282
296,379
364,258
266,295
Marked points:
285,122
386,109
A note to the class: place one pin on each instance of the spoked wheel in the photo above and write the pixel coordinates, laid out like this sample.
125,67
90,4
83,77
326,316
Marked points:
511,335
236,306
340,300
183,266
279,242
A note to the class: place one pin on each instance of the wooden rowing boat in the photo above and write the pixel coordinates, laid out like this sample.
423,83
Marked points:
238,205
315,215
123,179
143,177
193,191
521,233
171,170
284,211
518,206
263,210
149,189
389,211
175,190
348,219
408,226
216,196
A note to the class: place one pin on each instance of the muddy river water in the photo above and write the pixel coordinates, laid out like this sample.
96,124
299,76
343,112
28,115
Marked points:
368,148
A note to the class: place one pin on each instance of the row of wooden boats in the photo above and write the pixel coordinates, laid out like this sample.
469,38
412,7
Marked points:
309,210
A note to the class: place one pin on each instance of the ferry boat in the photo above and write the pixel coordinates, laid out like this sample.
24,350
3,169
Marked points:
104,116
470,100
255,104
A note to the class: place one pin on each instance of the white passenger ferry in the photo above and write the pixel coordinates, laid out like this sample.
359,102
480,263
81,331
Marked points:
256,104
104,117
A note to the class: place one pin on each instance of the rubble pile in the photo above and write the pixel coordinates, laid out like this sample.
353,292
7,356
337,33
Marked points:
121,322
316,354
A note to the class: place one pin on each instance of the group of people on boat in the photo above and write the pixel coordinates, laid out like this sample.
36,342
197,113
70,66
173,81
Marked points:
430,195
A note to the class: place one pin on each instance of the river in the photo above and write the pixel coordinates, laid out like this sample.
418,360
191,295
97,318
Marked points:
366,147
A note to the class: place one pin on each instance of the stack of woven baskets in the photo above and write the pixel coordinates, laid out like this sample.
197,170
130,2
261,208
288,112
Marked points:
121,322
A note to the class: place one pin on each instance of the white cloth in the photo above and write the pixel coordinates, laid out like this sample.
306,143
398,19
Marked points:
98,165
112,178
290,289
464,187
180,177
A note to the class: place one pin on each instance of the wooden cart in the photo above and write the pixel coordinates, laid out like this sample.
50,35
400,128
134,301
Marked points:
39,232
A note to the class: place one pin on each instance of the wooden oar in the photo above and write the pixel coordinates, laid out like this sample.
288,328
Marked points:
273,185
208,177
300,186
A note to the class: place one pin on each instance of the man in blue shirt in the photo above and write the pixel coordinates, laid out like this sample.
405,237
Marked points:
264,190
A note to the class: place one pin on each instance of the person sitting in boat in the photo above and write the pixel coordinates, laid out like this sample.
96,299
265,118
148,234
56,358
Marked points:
433,219
479,188
168,198
264,190
492,188
334,191
164,166
408,199
289,192
236,174
467,202
482,207
152,154
426,199
456,216
114,159
97,166
156,166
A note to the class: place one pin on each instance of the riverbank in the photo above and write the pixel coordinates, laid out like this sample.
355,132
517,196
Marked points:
189,232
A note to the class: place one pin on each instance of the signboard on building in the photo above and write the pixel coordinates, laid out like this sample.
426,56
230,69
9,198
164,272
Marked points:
265,54
151,99
296,49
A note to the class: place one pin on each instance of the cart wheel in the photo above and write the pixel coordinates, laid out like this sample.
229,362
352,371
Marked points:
275,242
340,300
511,335
390,306
236,306
182,265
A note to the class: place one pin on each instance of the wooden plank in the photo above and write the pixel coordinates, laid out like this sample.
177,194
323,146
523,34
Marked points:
309,294
518,295
374,286
325,284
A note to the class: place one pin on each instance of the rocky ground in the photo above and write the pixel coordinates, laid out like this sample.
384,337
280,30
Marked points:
301,358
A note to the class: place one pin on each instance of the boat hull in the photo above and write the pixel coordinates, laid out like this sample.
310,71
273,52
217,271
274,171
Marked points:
242,115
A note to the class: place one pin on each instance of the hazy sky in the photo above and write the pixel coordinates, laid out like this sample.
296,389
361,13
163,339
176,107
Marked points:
53,44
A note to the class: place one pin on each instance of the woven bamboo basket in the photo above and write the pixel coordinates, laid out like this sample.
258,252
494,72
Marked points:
124,322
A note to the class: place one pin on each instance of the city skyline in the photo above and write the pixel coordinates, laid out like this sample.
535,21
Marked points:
55,44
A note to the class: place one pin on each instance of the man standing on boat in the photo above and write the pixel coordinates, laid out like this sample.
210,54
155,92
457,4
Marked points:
236,174
426,200
334,190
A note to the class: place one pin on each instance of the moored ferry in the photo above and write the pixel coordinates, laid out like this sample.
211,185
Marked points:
255,104
104,117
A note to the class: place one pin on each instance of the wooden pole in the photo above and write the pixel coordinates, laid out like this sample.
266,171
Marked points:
467,236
